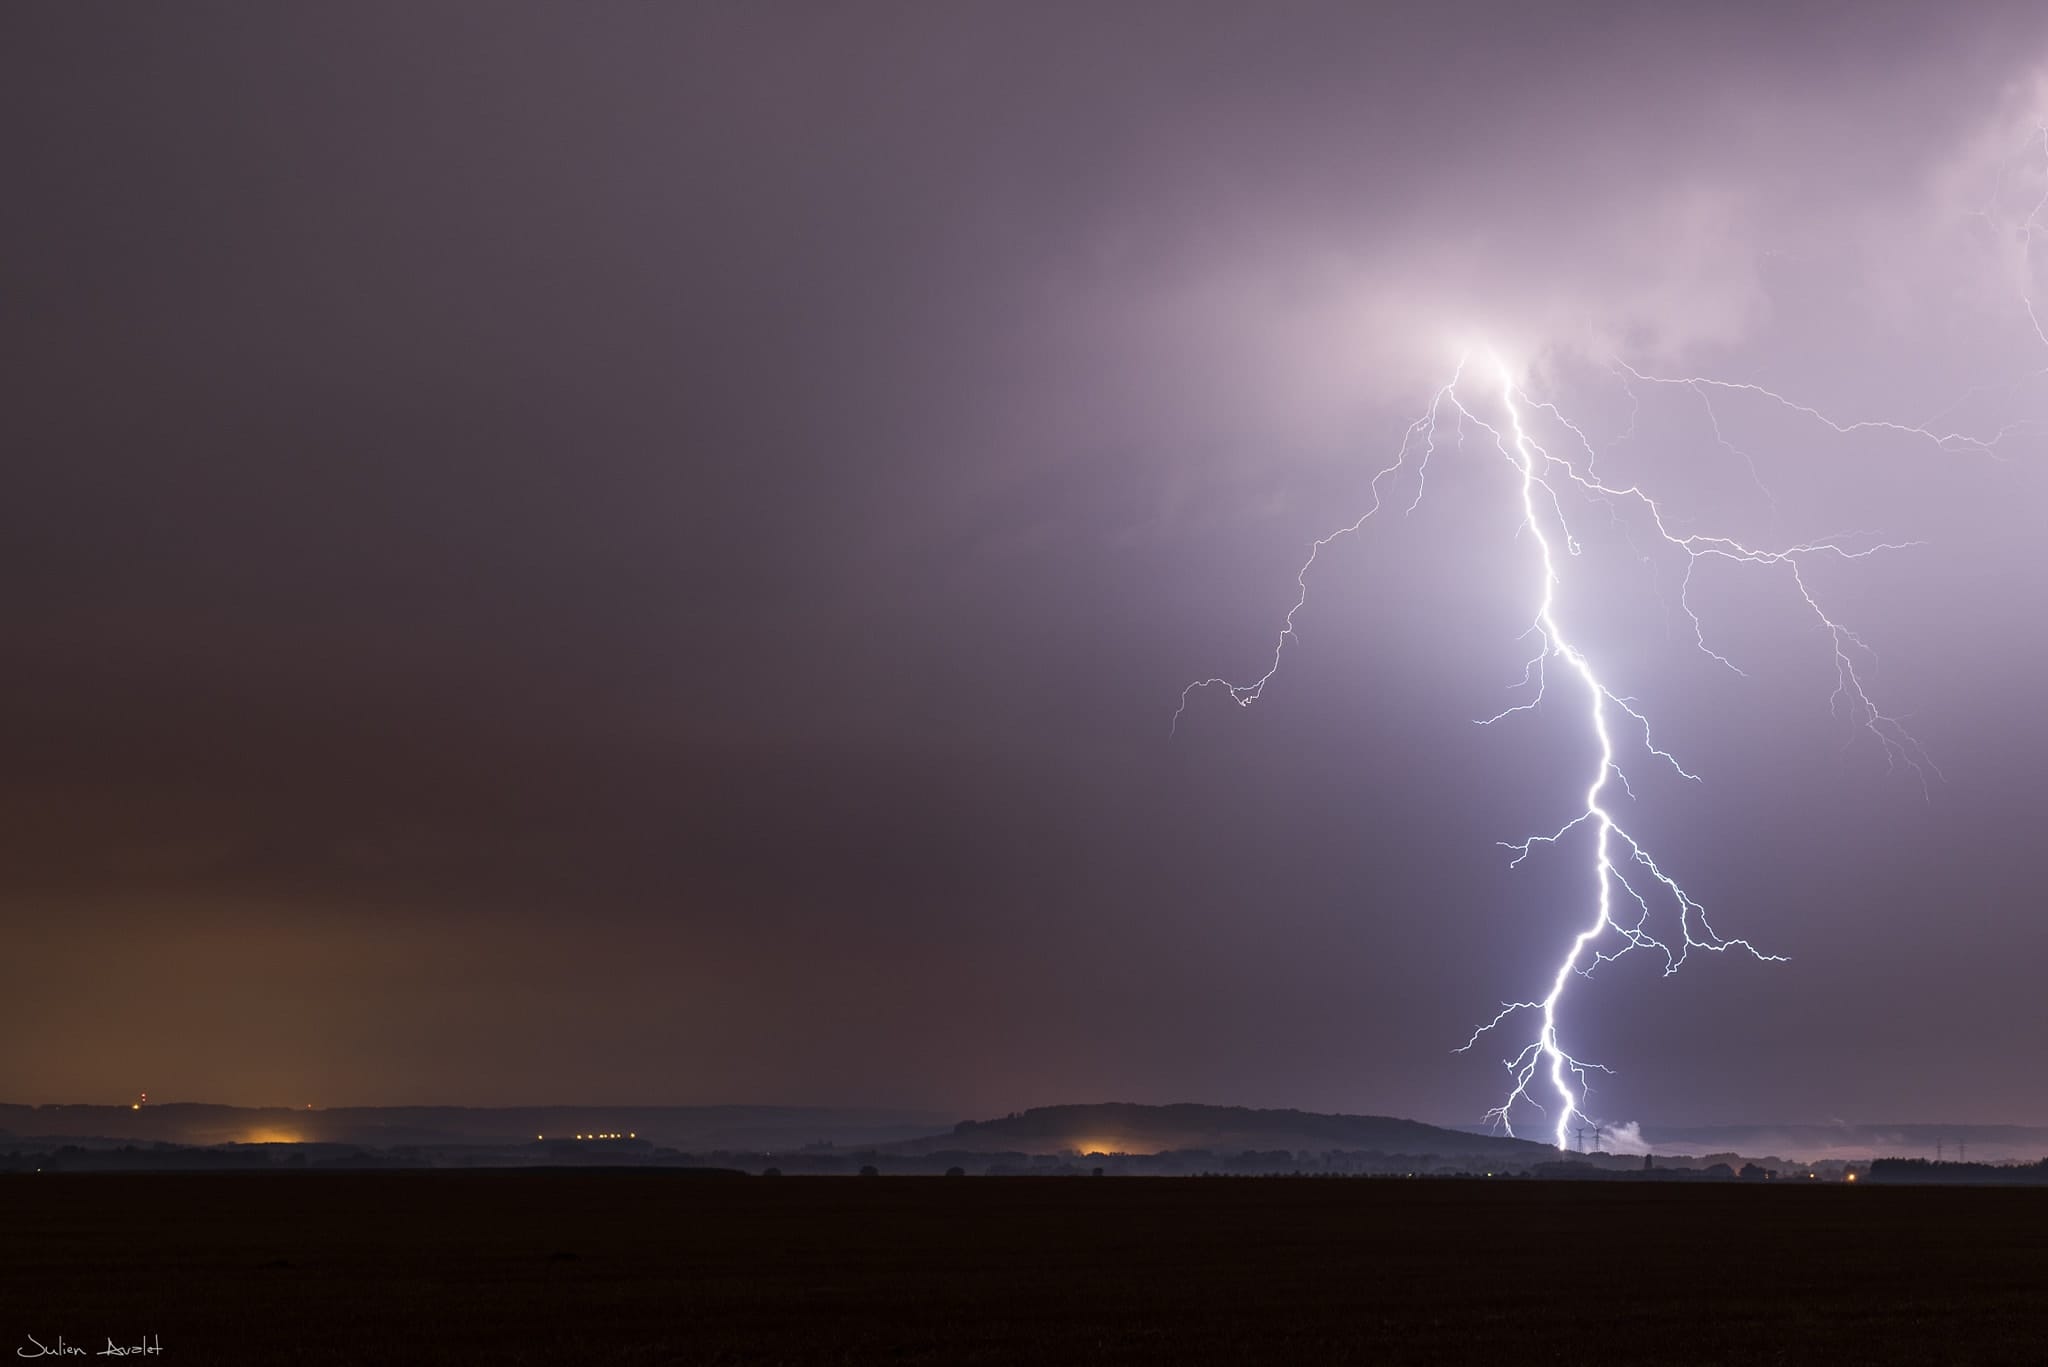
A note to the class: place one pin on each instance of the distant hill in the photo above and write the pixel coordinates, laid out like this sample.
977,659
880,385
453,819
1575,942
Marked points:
1113,1127
701,1128
1124,1127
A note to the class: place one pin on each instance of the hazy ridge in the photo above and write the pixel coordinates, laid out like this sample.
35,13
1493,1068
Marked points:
1125,1127
695,1127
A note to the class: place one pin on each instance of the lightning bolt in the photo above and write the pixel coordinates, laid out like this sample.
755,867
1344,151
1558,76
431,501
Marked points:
1636,905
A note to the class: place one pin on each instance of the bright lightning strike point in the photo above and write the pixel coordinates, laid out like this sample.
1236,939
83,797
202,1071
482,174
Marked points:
1662,916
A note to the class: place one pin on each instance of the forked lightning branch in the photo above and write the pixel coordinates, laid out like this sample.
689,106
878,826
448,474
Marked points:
1637,903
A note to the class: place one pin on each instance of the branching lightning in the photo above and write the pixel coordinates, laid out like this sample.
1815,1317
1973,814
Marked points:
1637,904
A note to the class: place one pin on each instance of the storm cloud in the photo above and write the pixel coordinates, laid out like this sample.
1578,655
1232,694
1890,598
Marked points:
563,554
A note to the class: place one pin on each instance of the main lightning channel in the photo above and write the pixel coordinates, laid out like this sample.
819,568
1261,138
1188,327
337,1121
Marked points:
1622,869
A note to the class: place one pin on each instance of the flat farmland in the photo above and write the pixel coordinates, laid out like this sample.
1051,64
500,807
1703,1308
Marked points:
665,1267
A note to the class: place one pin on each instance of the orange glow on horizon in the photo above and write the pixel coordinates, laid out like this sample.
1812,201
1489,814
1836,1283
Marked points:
1106,1148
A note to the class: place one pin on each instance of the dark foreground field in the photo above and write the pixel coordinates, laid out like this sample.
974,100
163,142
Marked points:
644,1267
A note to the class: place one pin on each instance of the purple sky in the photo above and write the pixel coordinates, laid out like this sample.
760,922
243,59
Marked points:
646,553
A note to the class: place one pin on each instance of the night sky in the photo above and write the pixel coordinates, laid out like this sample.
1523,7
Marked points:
564,553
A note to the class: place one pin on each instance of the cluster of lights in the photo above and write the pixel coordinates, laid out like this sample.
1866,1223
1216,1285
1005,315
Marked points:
631,1134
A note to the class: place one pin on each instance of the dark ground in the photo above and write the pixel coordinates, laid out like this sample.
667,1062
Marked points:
644,1267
